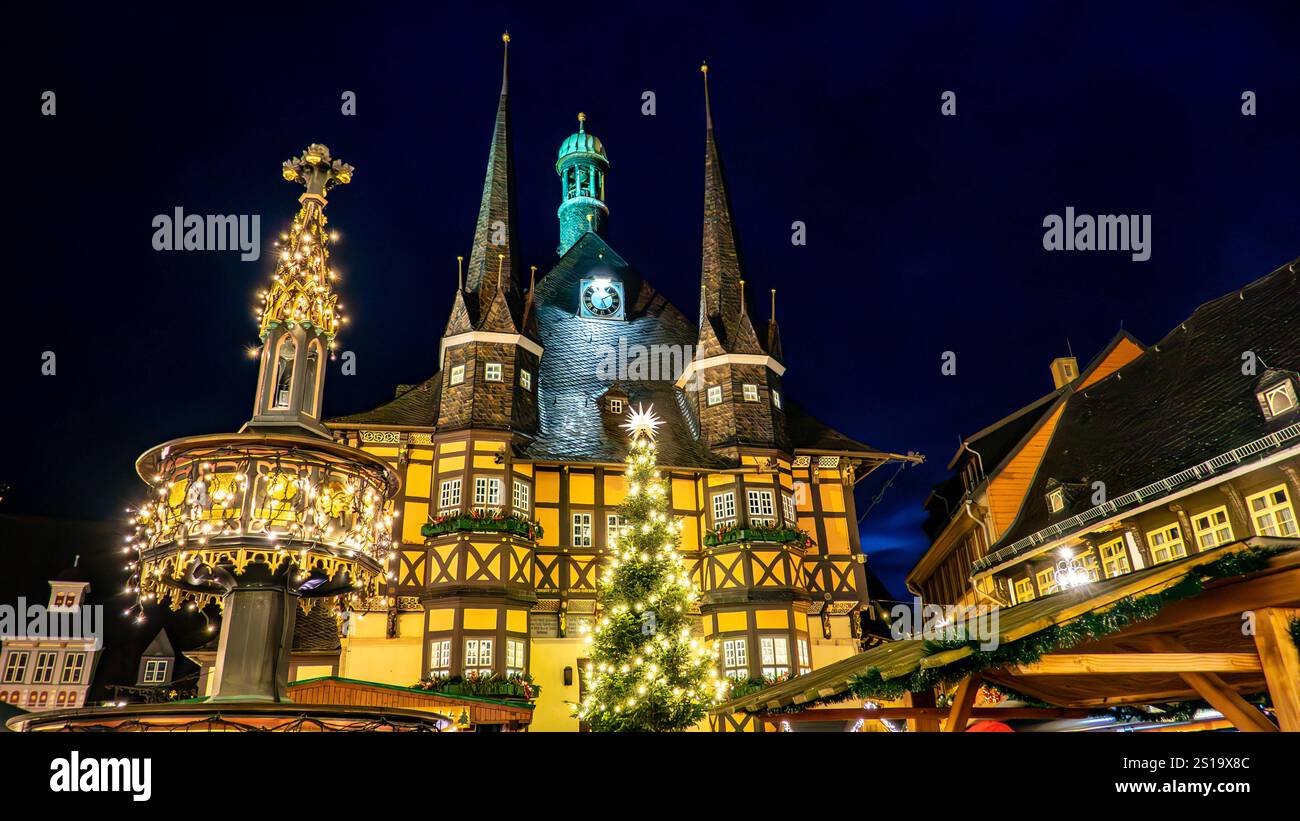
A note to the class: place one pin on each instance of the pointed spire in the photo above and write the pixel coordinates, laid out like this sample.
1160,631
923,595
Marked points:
720,268
495,244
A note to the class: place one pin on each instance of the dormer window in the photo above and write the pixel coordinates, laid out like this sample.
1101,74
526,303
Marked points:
1056,500
155,671
1276,393
1280,398
615,406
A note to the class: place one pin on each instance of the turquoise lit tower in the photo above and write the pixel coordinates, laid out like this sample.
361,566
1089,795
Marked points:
582,165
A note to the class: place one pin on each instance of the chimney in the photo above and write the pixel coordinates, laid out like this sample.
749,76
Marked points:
1065,369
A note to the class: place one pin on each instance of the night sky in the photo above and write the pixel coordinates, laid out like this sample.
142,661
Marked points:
924,231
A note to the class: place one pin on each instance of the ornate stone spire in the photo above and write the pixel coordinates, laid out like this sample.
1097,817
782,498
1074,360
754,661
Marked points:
301,289
722,308
300,315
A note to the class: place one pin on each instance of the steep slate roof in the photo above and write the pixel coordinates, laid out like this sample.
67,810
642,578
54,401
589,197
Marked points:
572,426
1182,402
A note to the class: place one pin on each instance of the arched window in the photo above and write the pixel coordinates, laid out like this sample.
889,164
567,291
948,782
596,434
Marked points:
315,361
281,388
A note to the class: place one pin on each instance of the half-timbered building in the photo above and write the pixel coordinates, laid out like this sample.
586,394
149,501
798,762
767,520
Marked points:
512,458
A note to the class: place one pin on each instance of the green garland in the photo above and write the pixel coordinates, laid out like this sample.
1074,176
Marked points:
1086,627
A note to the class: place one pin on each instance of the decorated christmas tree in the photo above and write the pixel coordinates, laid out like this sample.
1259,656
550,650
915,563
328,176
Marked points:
647,672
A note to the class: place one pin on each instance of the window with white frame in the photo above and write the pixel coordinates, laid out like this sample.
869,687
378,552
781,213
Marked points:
515,657
43,672
776,399
1056,500
788,508
457,374
714,395
492,371
761,509
615,527
439,658
1114,558
1024,589
1272,512
525,379
521,497
1166,544
805,662
478,656
16,666
749,392
735,658
1047,581
73,666
616,406
1212,528
487,493
724,508
774,656
155,671
449,494
582,530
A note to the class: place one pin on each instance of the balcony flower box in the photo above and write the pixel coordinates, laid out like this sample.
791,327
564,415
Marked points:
756,533
493,686
481,523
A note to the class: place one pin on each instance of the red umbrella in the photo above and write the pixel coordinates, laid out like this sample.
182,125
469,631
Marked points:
989,727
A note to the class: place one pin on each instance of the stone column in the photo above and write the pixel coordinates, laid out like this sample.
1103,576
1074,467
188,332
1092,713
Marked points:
1242,526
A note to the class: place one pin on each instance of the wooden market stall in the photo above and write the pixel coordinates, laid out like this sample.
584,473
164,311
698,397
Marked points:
1218,626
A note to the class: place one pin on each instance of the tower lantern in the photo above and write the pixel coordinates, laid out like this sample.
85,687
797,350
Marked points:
582,165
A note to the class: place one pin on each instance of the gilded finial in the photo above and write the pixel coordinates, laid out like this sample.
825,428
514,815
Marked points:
774,305
460,273
505,38
582,120
708,114
501,264
742,297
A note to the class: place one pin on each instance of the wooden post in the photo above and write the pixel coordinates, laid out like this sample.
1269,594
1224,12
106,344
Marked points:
1281,660
963,701
1243,715
921,725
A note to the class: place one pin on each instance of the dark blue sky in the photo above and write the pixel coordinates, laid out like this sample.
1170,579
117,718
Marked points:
924,232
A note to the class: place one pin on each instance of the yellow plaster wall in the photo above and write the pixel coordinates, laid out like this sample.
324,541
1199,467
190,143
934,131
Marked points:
368,656
549,658
829,651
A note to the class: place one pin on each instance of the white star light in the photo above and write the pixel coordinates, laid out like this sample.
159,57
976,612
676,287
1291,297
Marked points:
642,422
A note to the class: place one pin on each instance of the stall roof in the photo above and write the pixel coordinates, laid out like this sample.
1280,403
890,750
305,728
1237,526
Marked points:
1109,616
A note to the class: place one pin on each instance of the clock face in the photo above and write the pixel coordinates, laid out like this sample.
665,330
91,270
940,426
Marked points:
602,299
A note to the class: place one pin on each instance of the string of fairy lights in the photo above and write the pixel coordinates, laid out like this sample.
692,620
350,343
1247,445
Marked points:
647,670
